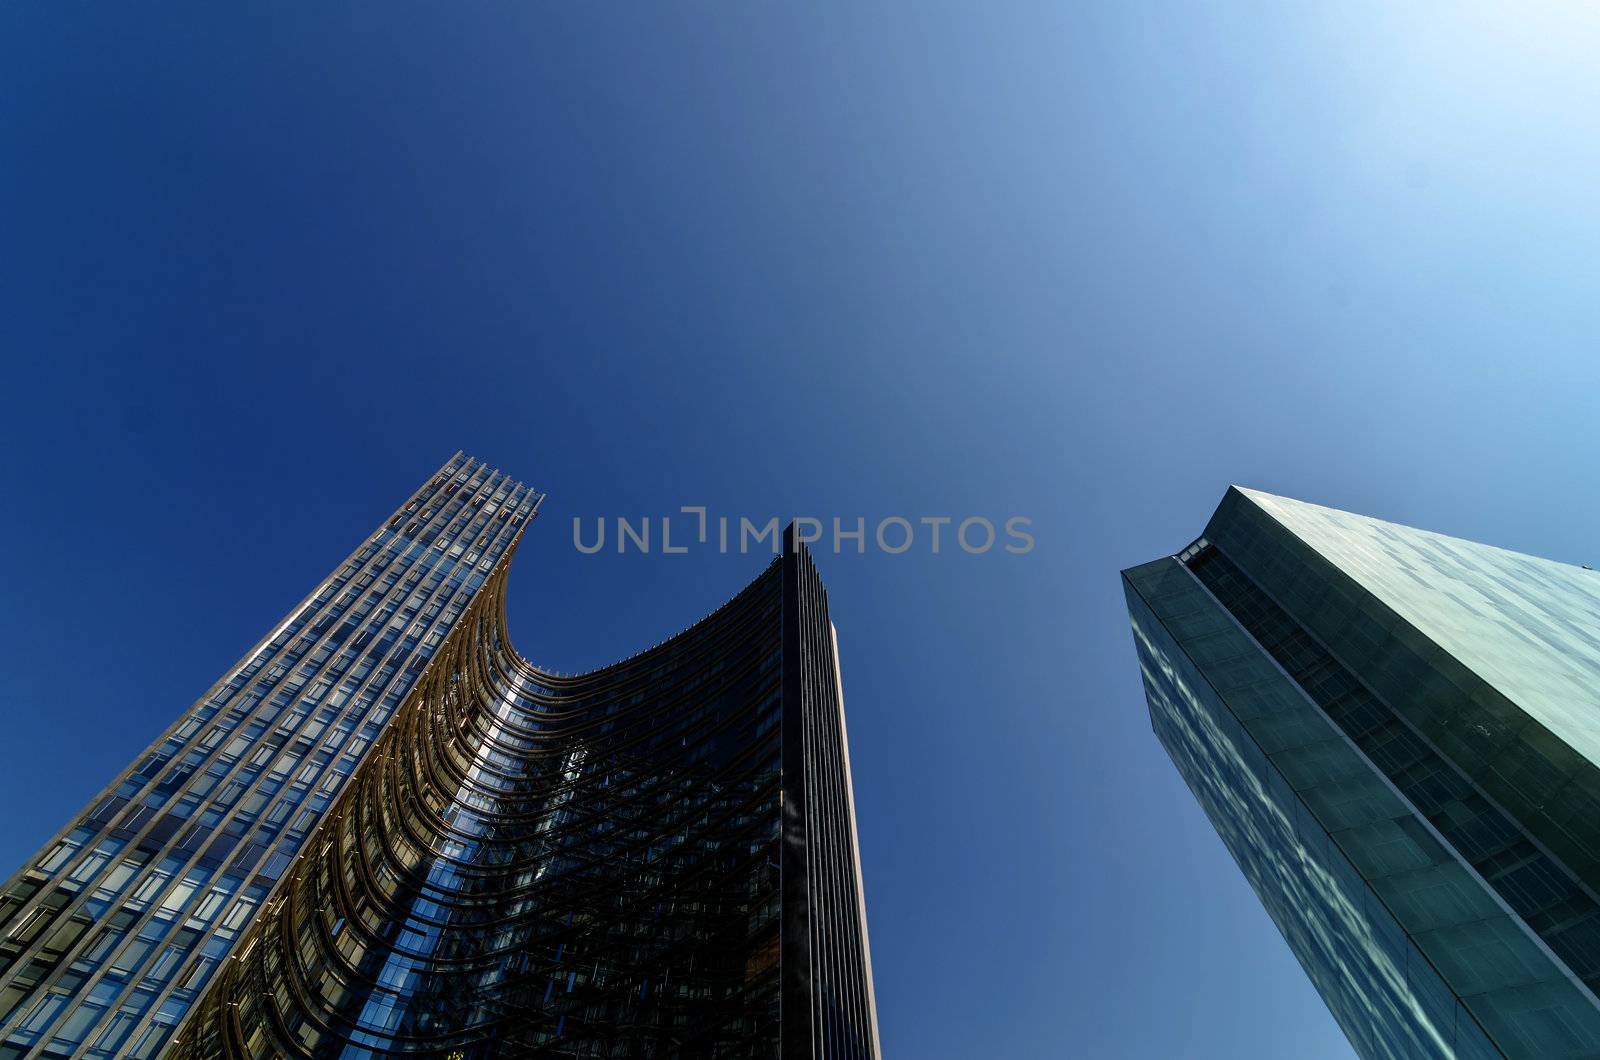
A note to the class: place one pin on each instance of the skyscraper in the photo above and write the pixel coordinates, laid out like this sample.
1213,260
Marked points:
1397,736
386,833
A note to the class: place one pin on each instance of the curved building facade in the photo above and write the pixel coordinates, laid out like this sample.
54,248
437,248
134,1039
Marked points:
654,859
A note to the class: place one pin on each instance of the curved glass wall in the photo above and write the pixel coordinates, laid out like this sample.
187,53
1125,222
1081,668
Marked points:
538,865
385,833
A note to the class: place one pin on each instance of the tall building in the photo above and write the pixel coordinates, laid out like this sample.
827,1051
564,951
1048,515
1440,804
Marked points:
1397,736
386,833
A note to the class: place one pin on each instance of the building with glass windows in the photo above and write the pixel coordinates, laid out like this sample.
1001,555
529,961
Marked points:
385,833
1397,736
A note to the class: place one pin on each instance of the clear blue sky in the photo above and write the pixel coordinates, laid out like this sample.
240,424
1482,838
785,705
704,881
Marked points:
266,266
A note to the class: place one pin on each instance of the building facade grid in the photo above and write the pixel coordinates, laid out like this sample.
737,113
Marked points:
384,832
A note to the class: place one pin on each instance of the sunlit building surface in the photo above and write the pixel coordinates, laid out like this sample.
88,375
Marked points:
1397,736
386,833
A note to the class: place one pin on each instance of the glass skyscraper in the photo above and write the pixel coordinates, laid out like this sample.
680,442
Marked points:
1397,736
385,833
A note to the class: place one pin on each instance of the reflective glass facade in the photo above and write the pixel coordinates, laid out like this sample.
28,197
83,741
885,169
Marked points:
401,838
109,935
1366,713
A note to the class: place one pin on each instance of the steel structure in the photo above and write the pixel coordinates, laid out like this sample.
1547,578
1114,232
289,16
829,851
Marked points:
477,857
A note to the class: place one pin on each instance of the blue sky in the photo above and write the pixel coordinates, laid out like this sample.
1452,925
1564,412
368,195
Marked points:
266,267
